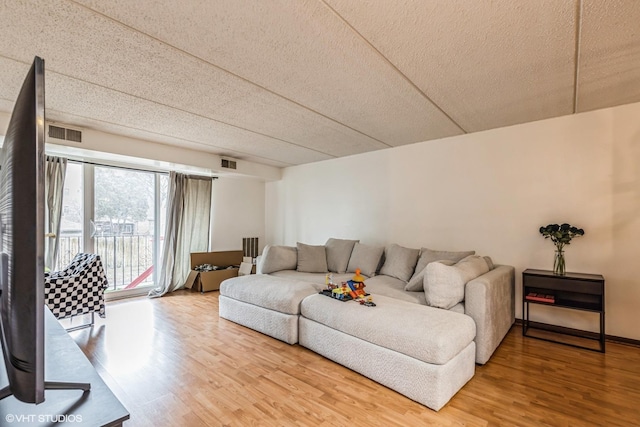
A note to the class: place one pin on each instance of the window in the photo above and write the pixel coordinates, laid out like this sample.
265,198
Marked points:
119,214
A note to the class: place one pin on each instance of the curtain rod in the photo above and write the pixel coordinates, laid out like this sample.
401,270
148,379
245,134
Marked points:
135,169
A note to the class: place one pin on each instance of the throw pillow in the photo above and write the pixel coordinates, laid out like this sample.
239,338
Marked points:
416,284
444,284
428,256
276,258
366,258
399,262
489,262
312,259
338,254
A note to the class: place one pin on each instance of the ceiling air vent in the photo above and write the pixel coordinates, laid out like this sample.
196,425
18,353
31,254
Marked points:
58,132
228,164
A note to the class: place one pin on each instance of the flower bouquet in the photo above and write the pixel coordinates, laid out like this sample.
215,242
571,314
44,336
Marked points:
560,235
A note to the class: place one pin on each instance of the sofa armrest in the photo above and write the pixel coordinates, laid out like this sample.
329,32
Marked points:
490,302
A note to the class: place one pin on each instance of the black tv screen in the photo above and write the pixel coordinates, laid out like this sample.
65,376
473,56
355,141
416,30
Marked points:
22,242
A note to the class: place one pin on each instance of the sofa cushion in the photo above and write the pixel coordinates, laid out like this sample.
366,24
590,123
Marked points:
318,278
276,258
282,295
391,287
399,262
366,258
444,284
338,254
424,333
311,259
489,262
428,256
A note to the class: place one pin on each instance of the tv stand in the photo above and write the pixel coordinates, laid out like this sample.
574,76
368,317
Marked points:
53,385
95,406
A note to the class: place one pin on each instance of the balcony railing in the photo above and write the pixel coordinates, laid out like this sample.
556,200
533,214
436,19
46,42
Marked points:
127,259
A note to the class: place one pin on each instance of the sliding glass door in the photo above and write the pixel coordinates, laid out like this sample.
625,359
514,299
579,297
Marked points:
123,221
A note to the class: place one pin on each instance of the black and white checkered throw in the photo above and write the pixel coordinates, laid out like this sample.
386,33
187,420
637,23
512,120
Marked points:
78,289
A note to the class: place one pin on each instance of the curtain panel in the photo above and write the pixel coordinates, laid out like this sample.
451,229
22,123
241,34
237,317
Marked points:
54,173
187,229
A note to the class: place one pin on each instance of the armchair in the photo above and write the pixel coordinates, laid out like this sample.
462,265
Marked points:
77,289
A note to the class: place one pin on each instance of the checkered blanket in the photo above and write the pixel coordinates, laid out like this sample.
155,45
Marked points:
78,289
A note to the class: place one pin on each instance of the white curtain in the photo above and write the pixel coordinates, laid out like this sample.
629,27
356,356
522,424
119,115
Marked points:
54,174
188,219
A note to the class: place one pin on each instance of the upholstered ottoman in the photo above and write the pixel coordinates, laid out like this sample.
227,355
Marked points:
267,304
424,353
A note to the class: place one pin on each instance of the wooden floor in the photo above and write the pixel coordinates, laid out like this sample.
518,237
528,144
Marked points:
173,362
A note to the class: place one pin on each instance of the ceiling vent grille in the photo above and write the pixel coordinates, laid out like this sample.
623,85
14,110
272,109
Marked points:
228,164
58,132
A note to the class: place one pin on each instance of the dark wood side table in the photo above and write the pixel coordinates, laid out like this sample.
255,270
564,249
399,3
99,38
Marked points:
576,291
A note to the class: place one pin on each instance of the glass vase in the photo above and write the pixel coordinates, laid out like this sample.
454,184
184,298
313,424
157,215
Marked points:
558,263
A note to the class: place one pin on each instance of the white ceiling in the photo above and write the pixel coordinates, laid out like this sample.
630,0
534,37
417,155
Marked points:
296,81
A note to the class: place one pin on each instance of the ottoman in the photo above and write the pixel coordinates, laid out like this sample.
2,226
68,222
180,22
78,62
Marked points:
267,304
424,353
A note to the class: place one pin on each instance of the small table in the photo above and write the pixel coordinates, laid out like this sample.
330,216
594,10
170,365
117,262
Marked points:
576,291
64,361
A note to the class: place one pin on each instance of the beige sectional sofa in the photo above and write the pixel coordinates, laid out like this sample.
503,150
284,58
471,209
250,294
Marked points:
438,313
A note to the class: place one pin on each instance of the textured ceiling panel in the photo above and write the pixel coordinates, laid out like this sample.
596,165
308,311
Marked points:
486,63
64,94
609,54
108,54
298,49
83,100
11,78
288,82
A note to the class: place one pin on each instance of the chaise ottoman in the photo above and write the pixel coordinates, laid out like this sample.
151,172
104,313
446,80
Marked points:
424,353
267,304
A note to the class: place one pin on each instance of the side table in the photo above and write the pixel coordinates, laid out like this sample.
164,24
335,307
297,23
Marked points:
576,291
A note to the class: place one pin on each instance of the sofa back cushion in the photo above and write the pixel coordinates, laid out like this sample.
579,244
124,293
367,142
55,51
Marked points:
276,258
399,262
489,262
338,254
366,258
311,259
428,256
444,284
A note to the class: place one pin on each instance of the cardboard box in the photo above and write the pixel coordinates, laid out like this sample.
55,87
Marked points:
205,281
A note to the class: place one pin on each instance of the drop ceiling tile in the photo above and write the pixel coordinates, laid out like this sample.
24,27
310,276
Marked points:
300,50
82,99
609,73
284,83
487,64
11,78
86,46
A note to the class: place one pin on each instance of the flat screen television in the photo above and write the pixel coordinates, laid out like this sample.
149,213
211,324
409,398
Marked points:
22,241
22,245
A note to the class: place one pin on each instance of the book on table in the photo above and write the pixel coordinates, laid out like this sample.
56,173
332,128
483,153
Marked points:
533,296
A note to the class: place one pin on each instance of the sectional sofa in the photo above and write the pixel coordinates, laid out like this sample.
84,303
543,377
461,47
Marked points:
437,313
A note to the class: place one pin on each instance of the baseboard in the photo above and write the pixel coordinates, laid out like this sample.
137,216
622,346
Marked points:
594,335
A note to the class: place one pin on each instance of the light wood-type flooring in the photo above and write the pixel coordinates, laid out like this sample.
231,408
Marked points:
173,362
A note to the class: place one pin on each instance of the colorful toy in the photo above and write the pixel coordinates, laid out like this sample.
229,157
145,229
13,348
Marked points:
328,280
352,289
368,302
356,285
341,292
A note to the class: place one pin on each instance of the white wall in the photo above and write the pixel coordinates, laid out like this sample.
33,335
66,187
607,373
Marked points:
490,191
238,211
